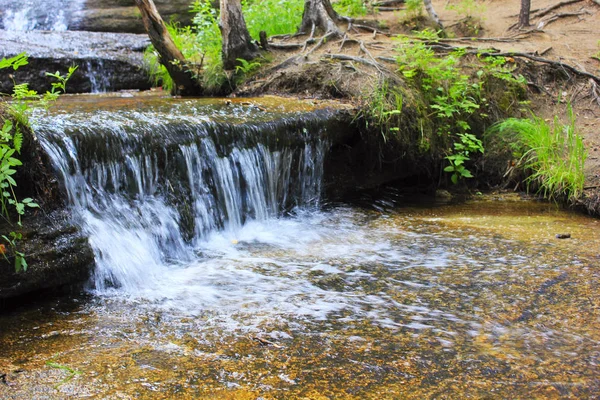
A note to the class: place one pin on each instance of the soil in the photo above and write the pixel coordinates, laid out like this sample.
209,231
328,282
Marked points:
317,70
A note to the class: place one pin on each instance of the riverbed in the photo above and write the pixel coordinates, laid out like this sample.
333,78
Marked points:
388,298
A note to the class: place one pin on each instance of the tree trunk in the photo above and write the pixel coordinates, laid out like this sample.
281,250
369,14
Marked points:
524,14
320,15
432,13
237,42
168,54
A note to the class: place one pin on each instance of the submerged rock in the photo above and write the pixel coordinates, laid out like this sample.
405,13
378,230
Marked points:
106,61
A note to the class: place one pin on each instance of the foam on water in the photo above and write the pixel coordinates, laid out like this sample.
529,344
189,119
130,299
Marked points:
50,15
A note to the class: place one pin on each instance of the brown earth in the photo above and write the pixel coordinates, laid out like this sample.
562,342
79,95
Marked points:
568,34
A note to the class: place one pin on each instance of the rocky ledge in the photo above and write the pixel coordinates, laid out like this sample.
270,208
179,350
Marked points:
57,252
106,61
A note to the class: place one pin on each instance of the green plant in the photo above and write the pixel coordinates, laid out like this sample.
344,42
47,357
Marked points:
468,8
500,68
472,12
275,17
200,45
11,240
468,145
552,155
351,8
71,372
385,104
414,9
11,141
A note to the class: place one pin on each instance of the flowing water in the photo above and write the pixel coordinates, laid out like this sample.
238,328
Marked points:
222,273
49,15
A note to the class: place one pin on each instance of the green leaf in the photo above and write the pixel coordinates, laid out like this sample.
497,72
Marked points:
18,141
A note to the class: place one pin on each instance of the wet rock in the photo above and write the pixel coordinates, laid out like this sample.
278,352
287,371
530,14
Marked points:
57,253
106,61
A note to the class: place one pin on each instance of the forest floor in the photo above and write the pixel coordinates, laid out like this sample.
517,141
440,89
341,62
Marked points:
566,34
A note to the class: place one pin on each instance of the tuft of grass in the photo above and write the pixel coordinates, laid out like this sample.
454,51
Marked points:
275,17
414,9
351,8
552,155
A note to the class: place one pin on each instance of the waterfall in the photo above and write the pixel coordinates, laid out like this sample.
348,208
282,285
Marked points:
98,76
49,15
147,189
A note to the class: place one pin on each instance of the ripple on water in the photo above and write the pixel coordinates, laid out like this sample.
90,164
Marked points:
359,304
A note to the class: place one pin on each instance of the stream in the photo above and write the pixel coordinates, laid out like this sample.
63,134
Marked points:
222,272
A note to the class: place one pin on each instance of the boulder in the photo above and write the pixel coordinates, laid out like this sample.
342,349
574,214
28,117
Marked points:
123,15
106,61
57,252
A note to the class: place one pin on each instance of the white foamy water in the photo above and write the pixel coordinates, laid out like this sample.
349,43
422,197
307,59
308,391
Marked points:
49,15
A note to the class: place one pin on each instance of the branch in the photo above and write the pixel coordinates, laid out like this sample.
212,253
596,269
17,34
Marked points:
553,18
547,10
388,3
360,60
285,46
320,43
541,60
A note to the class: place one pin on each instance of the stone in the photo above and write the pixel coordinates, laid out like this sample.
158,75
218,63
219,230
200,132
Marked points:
57,253
106,61
123,15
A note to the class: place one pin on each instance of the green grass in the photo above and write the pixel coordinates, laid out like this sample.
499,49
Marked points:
351,8
200,45
275,17
552,155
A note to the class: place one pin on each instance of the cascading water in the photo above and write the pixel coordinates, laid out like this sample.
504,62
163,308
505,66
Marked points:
218,277
50,15
150,189
98,76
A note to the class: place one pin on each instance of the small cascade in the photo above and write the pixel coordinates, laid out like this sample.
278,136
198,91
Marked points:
98,76
48,15
149,188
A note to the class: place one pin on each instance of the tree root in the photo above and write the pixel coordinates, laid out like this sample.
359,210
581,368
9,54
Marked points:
320,43
360,60
595,91
548,10
387,3
558,64
555,17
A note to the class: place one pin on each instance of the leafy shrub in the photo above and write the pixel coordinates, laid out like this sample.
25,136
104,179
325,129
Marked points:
11,140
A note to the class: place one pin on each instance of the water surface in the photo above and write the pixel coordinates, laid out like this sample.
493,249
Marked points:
475,300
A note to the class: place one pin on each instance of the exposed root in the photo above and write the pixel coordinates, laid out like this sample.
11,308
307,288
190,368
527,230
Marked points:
558,64
285,46
548,10
556,17
370,29
360,60
595,92
320,43
387,3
